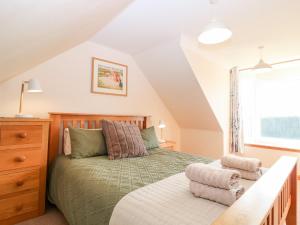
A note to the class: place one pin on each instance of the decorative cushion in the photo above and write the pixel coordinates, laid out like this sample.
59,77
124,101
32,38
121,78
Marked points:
123,140
67,142
87,142
149,137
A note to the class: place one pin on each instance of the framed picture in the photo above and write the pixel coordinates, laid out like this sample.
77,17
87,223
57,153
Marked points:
109,77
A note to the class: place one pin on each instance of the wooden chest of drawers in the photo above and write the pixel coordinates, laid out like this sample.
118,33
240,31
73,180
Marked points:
23,168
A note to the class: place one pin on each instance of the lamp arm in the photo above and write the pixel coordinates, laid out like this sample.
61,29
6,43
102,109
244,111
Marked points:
22,96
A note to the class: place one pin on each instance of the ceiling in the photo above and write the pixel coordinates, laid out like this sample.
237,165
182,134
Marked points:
146,24
34,31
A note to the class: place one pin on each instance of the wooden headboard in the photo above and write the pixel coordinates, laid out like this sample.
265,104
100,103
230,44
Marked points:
59,121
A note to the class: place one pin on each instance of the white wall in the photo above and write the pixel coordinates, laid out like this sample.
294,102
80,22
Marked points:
269,156
202,142
193,89
66,82
213,79
171,75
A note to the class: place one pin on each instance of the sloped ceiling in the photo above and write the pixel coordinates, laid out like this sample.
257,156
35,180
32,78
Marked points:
33,31
171,75
273,23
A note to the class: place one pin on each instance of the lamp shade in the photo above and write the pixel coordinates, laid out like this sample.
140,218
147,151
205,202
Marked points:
161,124
34,86
262,67
215,32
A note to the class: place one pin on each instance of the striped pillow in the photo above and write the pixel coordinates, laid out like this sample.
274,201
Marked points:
123,140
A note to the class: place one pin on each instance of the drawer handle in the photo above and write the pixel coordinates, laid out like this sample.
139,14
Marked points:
20,183
20,158
22,135
19,208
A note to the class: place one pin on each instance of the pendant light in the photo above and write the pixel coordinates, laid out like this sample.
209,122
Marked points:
262,66
215,32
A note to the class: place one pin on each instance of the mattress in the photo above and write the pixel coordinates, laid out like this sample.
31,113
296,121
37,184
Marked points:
87,190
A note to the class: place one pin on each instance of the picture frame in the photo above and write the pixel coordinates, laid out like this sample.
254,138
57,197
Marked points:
109,77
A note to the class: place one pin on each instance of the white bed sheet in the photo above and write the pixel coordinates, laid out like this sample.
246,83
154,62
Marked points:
167,202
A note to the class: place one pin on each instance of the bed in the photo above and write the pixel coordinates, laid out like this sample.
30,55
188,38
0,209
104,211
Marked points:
87,190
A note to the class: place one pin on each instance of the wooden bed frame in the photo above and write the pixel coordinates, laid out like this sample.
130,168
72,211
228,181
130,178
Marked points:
272,200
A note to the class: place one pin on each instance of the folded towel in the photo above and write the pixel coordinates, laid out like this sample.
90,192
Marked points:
213,176
243,163
225,197
248,175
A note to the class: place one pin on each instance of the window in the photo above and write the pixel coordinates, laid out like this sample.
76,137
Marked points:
271,107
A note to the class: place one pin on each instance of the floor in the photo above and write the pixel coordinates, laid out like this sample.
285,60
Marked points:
54,217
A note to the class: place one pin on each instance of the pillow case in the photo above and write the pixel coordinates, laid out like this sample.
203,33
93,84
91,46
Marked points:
67,142
150,138
123,140
87,142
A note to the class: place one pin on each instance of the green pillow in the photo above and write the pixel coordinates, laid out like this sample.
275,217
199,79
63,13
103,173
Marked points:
149,137
87,142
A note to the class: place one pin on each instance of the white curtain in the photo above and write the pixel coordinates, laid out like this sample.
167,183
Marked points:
236,131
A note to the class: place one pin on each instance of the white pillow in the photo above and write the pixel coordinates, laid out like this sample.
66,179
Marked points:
67,142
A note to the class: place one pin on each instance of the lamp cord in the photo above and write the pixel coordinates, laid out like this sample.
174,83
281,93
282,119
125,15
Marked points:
22,96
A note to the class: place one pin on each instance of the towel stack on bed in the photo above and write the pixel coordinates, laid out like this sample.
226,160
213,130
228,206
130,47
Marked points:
215,184
250,168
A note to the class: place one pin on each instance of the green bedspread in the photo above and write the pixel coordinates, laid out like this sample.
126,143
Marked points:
86,190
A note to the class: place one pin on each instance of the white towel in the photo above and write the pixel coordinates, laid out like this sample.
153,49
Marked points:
243,163
248,175
225,197
213,176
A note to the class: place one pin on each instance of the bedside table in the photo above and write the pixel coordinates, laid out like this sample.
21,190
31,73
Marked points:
168,145
23,167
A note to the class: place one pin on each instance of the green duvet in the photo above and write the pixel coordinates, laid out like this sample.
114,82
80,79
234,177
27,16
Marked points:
87,190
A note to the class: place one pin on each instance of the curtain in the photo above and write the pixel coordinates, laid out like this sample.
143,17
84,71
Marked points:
236,131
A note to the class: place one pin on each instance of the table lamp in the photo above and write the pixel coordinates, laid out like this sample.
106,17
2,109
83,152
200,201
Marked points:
33,86
161,126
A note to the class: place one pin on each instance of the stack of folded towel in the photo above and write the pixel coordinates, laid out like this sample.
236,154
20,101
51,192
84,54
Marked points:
250,168
215,184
